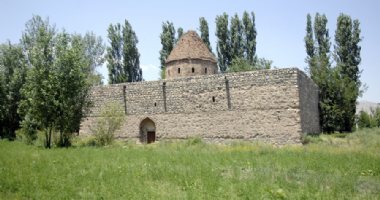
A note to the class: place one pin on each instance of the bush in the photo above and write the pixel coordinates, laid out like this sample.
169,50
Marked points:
110,120
28,131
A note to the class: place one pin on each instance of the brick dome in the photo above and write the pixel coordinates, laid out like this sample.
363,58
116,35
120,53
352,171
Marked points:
190,46
190,57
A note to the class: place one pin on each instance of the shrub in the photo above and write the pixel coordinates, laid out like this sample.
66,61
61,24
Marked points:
110,120
28,131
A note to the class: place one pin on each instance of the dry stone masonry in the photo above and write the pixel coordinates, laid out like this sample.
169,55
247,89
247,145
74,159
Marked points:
273,106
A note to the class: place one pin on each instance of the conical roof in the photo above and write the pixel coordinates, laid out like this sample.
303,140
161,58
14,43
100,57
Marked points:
190,46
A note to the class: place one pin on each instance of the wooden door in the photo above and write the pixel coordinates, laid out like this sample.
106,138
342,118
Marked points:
151,136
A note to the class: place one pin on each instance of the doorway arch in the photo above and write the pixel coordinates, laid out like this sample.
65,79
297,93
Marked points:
147,131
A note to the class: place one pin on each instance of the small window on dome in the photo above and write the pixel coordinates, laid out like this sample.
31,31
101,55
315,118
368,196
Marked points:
179,70
213,99
192,70
206,70
155,104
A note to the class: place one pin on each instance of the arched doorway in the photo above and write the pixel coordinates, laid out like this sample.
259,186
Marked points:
147,131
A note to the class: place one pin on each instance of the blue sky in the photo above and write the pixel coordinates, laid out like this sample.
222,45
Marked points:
280,25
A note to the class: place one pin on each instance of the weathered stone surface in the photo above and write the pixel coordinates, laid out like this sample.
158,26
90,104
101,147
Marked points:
274,106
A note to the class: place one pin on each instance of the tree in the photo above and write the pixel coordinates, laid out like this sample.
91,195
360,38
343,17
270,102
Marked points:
131,54
364,120
223,42
347,57
203,27
167,40
123,58
377,116
39,92
114,55
309,44
321,72
236,31
179,33
13,70
94,50
243,65
249,36
57,85
71,85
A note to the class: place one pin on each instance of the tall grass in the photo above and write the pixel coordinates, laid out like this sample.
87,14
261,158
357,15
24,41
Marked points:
327,168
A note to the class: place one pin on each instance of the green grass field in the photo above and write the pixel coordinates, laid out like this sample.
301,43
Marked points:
329,167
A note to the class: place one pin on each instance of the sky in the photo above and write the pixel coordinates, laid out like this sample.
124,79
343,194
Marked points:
280,26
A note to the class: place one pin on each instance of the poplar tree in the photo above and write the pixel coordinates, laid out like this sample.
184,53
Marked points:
347,57
167,41
179,33
123,58
236,31
320,70
114,55
203,27
131,55
249,37
223,42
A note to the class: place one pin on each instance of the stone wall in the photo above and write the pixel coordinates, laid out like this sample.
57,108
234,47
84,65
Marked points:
274,106
309,97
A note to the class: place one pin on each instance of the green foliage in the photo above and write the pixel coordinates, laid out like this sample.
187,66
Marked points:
163,73
203,27
223,42
179,33
13,69
93,50
55,92
338,90
123,58
167,41
243,65
331,168
364,120
347,57
110,120
236,31
377,116
237,42
249,36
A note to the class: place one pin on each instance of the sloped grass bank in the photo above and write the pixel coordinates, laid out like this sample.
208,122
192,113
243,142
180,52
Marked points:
329,167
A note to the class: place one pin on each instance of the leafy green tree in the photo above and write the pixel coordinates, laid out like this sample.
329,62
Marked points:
364,120
123,58
167,41
326,77
57,82
114,55
347,57
377,117
94,51
71,85
179,33
203,27
243,65
13,69
131,55
249,36
223,46
236,30
39,91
